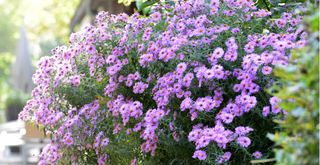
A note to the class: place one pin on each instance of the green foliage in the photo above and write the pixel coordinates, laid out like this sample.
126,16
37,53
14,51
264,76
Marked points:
145,5
299,140
44,20
14,103
16,98
126,2
83,94
277,5
8,26
5,62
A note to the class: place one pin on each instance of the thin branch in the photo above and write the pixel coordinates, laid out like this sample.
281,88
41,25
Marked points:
266,4
262,161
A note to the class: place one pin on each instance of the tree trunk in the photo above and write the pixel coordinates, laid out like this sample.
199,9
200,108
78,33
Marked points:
92,7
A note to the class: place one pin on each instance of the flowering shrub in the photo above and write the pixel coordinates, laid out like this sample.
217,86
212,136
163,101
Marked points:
183,86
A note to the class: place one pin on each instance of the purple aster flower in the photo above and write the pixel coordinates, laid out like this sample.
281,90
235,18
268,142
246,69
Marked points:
221,139
102,159
199,154
224,158
200,104
261,13
199,31
111,59
219,74
241,131
247,17
75,80
274,100
265,111
194,115
156,16
275,109
105,142
281,23
236,87
91,49
218,52
249,48
257,154
214,10
252,101
202,142
215,3
235,30
266,70
243,141
68,140
226,117
136,76
209,74
301,43
187,79
186,104
139,87
145,59
180,94
133,161
181,67
194,135
129,83
177,87
231,107
227,156
180,26
229,12
140,47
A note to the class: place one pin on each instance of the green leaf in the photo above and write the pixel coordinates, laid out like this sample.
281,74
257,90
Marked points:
141,5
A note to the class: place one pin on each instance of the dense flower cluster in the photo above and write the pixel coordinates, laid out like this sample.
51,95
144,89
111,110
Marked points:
207,63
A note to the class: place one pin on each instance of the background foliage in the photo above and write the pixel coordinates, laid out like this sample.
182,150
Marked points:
299,141
46,23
